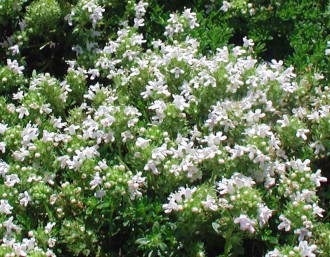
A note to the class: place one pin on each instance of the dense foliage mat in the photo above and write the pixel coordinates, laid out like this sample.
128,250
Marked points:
164,128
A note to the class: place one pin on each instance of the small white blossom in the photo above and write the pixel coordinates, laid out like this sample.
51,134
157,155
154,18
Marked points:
25,199
177,72
248,42
179,102
317,178
210,203
307,250
225,6
177,199
327,51
22,112
134,184
49,227
97,180
11,180
5,207
302,232
285,224
275,253
302,133
4,168
18,96
14,66
317,145
2,149
14,49
245,223
264,214
142,143
3,128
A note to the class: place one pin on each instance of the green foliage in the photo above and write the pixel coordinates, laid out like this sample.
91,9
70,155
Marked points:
10,81
43,16
150,129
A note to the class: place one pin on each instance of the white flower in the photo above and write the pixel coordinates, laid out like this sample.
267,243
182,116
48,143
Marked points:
238,51
225,6
161,152
177,199
264,214
327,51
138,23
14,49
140,9
126,135
285,224
152,165
71,129
179,102
210,203
306,250
11,180
49,227
99,193
134,184
25,199
5,207
4,168
22,112
177,72
51,243
50,253
317,210
3,128
191,18
302,232
14,66
159,106
247,42
236,182
275,253
18,96
142,143
318,76
102,164
97,180
97,14
68,18
94,10
245,223
317,178
9,225
302,133
325,111
2,149
57,122
318,147
237,151
21,154
216,139
29,133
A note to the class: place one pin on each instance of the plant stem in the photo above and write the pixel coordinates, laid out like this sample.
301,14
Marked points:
228,245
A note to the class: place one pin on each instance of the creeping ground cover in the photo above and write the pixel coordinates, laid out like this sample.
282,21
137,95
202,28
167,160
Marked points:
135,128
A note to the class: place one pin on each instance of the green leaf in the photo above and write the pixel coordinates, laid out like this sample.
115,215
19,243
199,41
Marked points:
155,228
103,205
270,239
216,227
142,241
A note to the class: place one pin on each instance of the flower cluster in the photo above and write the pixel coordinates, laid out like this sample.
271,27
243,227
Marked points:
144,145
